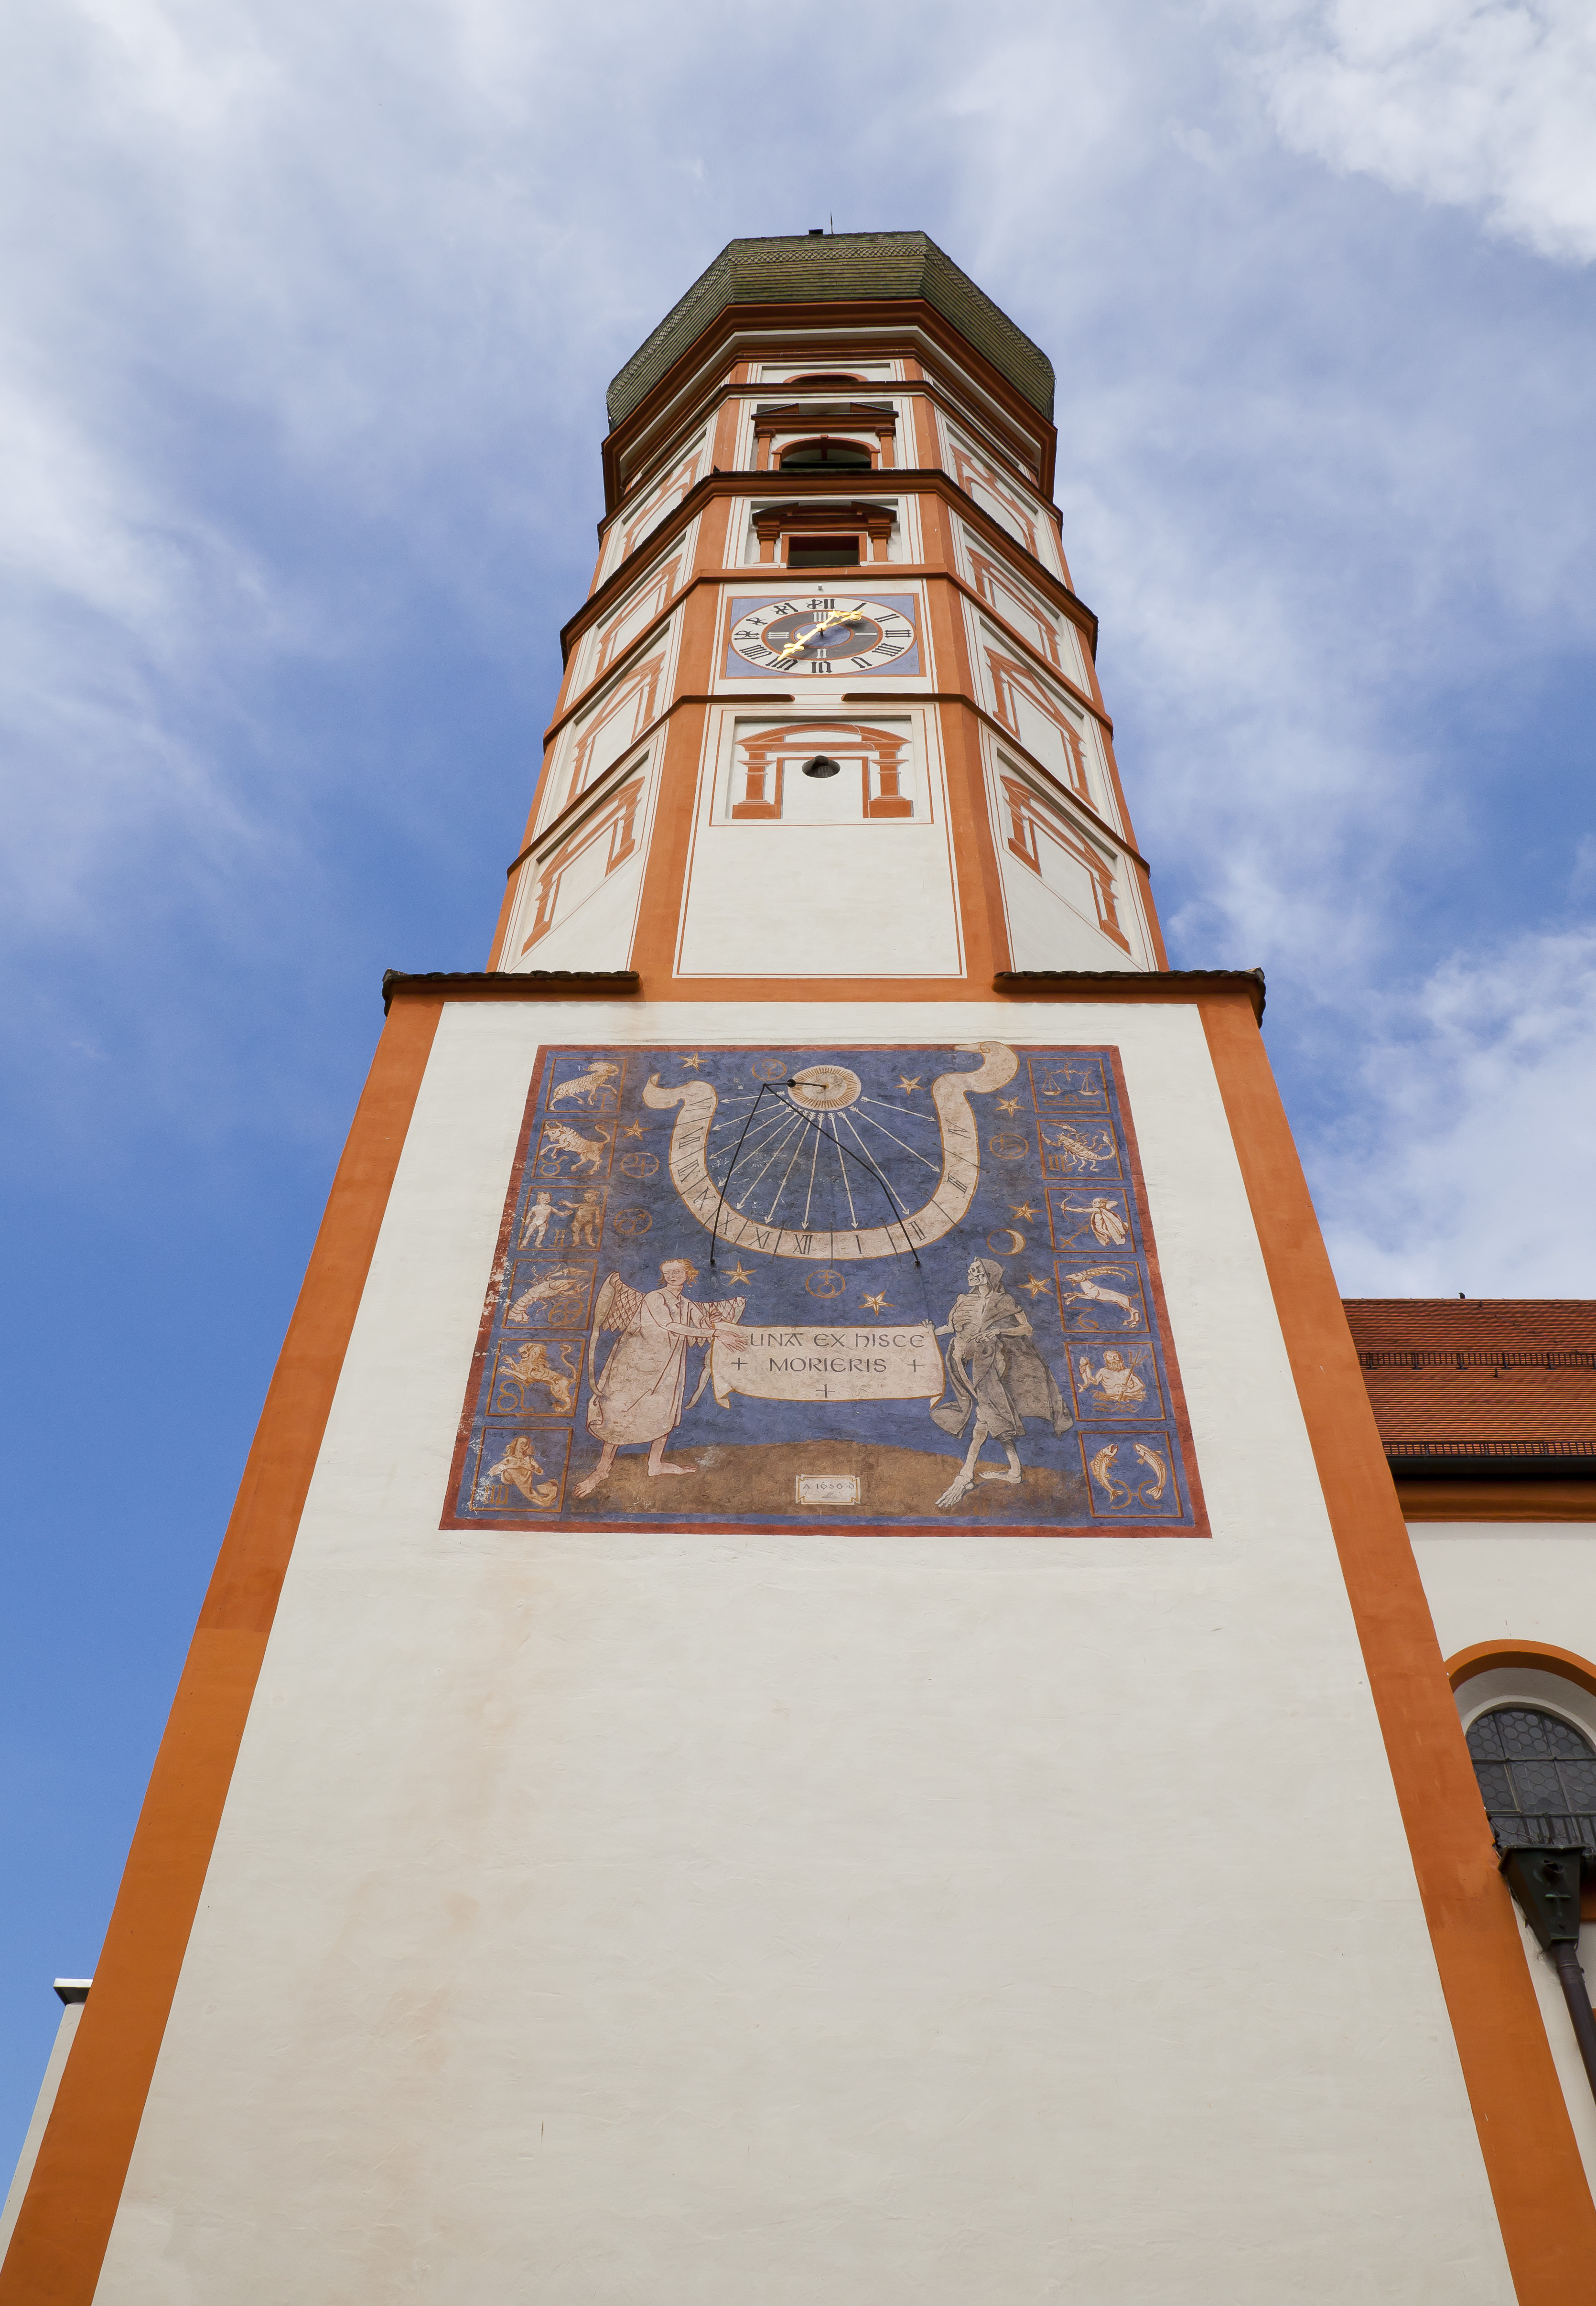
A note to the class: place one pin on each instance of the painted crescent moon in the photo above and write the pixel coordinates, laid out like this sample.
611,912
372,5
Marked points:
994,1242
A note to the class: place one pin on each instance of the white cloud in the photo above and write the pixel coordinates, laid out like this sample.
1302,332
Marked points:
1465,1156
319,306
1489,106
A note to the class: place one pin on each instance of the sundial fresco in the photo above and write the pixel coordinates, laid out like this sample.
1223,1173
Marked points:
899,1288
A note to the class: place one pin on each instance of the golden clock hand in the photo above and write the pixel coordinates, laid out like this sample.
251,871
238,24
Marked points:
842,615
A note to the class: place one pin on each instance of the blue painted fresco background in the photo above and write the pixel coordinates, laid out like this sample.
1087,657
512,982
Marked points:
1056,1207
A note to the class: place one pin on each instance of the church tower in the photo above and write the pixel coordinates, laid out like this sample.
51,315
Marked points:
817,1689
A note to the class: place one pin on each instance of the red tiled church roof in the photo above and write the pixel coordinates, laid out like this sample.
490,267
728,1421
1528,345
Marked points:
1494,1382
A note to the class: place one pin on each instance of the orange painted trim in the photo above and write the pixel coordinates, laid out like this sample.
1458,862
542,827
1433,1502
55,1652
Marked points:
629,449
978,876
1541,1501
1489,1657
60,2239
665,869
728,693
1144,872
501,926
920,481
1537,2179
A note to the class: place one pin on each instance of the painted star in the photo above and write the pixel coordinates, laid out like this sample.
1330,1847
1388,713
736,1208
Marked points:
1021,1209
878,1304
909,1084
692,1063
1034,1287
633,1128
1007,1104
739,1272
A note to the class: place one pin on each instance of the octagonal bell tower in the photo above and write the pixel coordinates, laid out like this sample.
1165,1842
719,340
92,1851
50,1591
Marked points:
817,1689
830,715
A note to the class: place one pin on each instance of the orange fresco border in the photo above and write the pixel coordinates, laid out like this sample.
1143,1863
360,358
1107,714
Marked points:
1537,2178
60,2239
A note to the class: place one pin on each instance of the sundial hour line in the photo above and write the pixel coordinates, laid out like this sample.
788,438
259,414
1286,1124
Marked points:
913,1151
786,1173
907,1111
847,1186
775,1155
760,1137
813,1158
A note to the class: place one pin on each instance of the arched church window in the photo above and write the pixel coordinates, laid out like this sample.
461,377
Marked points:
826,456
1536,1776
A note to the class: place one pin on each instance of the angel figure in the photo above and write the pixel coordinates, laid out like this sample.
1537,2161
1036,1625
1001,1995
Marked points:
638,1393
997,1373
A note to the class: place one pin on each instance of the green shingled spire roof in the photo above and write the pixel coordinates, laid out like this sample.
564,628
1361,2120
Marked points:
844,265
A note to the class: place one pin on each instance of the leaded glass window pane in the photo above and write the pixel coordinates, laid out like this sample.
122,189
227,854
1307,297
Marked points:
1537,1776
1495,1785
1579,1784
1537,1786
1524,1734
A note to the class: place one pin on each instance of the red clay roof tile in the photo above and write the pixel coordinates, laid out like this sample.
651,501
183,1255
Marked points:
1479,1376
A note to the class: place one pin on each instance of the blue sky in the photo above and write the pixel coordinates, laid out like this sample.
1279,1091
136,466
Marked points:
310,312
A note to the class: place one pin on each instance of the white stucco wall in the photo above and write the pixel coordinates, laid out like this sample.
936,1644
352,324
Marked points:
884,1921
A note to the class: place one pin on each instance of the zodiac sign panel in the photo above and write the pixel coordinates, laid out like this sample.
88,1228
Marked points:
891,1288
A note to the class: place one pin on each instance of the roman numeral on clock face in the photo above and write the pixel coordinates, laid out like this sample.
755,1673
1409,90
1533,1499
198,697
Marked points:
821,634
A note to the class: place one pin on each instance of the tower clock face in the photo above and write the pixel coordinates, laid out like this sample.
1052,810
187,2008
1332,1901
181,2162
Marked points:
822,635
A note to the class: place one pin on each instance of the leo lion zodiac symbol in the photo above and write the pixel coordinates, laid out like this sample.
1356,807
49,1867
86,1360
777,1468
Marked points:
533,1366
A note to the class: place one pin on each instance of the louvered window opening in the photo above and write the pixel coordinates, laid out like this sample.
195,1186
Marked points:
1537,1778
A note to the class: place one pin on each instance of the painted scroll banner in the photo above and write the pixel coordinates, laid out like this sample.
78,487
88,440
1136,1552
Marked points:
833,1364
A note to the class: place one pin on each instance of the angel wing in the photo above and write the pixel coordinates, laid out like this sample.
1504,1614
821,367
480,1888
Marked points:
618,1308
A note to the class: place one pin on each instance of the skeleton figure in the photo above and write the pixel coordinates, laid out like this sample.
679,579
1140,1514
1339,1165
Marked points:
994,1372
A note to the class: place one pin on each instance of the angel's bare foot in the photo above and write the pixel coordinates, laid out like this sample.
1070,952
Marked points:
585,1489
957,1489
663,1468
1000,1474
